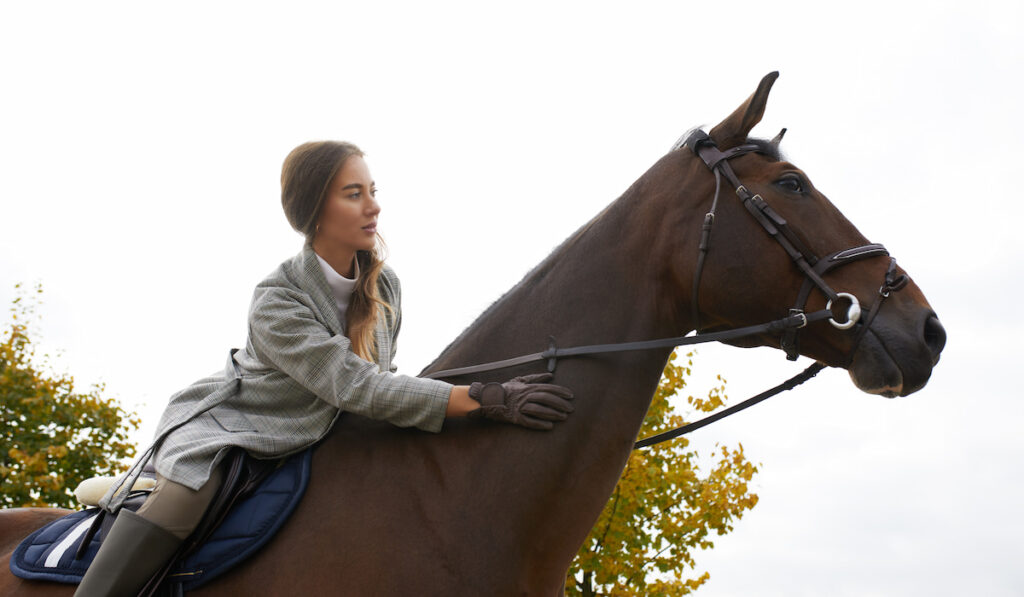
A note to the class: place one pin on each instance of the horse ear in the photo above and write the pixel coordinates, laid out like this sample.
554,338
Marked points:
733,130
777,140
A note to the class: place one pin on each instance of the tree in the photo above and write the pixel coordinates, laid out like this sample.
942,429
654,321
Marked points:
53,436
662,508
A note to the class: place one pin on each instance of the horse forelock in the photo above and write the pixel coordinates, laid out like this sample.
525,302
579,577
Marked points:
768,148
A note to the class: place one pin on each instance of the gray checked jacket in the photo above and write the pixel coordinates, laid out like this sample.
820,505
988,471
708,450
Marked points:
295,376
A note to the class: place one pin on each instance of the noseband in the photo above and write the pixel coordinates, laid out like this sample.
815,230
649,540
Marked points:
775,225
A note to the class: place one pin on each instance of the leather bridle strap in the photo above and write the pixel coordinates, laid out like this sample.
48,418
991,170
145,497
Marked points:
701,144
712,157
790,342
893,283
775,225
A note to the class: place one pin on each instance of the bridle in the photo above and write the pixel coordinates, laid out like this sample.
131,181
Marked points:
775,225
789,326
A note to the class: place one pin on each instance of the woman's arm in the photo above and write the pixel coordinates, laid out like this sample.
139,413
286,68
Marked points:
285,335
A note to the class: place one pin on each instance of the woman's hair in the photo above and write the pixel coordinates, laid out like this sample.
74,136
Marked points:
305,178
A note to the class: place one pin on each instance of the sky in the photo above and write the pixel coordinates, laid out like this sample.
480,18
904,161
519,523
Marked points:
140,153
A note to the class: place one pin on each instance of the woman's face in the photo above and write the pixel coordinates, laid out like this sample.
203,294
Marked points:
348,222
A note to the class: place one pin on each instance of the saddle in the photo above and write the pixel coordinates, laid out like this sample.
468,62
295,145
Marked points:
255,500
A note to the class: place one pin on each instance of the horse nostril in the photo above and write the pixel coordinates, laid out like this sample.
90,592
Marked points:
934,337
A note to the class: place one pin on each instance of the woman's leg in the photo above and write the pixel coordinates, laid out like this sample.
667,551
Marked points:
178,509
139,544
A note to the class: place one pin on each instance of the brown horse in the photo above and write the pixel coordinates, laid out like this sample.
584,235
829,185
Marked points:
485,509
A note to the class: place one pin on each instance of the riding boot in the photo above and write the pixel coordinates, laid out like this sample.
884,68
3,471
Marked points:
132,552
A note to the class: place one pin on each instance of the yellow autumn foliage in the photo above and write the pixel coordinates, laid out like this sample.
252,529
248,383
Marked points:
52,436
664,507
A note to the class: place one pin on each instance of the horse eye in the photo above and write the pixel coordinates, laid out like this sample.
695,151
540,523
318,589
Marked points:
792,184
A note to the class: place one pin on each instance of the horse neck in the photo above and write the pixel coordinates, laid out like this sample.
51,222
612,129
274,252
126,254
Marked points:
601,286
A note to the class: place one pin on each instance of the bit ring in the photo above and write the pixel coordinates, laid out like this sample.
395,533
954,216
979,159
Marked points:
852,314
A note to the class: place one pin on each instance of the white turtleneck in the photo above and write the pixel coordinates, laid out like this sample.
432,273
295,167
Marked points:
341,287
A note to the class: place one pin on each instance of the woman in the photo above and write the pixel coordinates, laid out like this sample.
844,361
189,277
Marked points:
322,330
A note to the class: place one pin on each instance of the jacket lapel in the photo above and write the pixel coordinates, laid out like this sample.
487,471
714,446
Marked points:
312,280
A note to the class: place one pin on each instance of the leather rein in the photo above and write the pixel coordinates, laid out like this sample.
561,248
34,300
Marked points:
789,326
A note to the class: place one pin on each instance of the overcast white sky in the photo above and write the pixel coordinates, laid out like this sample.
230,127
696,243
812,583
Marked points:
140,151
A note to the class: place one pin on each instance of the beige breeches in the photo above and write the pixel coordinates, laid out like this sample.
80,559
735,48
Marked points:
177,508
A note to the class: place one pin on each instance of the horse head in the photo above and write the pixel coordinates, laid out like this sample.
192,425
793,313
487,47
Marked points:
755,239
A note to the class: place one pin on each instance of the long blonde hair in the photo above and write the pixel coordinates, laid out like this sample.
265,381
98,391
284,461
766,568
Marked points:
305,178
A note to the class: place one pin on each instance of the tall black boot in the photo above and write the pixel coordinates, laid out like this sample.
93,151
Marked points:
131,553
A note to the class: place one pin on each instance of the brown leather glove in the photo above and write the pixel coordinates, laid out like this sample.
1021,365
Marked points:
526,401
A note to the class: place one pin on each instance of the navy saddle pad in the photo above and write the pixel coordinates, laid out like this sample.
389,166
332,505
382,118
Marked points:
49,553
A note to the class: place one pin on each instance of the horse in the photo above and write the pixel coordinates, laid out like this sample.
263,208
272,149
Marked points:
487,509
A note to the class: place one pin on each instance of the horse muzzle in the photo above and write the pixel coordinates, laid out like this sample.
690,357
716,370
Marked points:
897,354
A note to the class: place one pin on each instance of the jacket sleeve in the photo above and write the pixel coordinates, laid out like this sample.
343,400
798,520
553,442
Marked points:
286,334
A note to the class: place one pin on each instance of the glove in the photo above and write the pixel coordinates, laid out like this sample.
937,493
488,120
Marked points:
526,401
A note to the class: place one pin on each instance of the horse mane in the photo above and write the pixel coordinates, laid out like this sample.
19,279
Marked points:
536,273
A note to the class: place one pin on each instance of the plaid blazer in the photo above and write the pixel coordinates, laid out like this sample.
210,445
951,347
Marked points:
295,376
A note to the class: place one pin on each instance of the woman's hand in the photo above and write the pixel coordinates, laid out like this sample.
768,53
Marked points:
528,401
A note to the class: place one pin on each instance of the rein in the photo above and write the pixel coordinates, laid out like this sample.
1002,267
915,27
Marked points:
813,269
553,353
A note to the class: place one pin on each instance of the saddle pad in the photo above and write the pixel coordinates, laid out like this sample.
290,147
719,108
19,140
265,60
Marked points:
49,553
